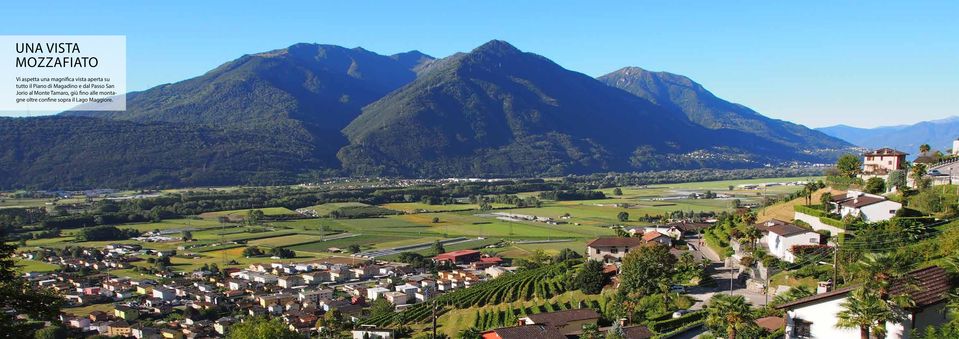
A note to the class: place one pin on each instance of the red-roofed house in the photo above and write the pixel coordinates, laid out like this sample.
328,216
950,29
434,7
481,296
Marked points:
653,236
462,257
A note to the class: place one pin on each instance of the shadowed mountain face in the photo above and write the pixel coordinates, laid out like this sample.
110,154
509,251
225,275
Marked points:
500,111
318,109
680,94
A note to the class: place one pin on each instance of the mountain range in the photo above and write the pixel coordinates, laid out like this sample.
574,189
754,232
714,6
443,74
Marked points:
309,111
937,133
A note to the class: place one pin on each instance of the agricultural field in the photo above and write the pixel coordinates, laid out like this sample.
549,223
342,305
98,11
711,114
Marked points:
269,211
422,223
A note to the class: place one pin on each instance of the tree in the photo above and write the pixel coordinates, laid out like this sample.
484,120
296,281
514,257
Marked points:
750,235
590,331
566,254
825,199
865,311
436,220
795,293
471,333
590,278
644,268
254,216
918,174
876,185
20,297
51,332
438,248
924,148
896,179
849,165
729,312
331,322
617,191
262,328
187,235
623,216
354,248
380,306
252,252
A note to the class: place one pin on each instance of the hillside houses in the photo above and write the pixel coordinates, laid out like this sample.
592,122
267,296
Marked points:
211,301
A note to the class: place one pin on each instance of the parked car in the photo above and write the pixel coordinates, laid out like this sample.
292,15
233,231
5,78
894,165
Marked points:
677,289
680,313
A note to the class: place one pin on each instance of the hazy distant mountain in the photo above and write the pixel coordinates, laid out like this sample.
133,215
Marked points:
311,109
937,133
681,94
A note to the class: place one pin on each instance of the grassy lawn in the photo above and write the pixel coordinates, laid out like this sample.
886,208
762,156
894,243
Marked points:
24,265
285,240
85,310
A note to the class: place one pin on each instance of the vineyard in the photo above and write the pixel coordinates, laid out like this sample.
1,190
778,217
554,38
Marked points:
495,318
541,283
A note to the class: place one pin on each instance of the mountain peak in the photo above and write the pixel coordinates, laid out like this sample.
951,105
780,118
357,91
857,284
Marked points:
499,47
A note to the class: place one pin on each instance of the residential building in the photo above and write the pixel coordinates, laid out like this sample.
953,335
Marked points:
461,257
611,249
781,236
870,207
882,161
567,322
538,331
815,316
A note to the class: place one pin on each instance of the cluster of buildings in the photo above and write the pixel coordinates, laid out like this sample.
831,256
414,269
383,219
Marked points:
209,302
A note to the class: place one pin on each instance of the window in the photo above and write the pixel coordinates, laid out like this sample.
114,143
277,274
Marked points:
597,251
614,250
802,328
626,250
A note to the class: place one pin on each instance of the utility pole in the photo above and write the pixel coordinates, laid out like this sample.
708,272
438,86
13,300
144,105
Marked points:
835,268
434,319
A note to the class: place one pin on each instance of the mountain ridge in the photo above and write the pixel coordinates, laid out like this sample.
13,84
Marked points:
313,109
938,133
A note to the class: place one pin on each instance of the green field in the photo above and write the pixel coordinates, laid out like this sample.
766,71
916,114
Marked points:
589,219
24,265
269,211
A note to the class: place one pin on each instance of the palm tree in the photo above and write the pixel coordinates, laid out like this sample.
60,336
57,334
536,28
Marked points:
750,235
729,311
924,148
865,311
878,270
792,294
748,219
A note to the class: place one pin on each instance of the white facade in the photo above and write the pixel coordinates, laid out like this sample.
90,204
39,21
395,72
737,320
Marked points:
821,320
779,245
879,211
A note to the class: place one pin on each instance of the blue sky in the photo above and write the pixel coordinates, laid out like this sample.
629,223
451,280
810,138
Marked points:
863,63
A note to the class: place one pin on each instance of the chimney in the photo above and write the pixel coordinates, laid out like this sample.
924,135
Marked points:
823,287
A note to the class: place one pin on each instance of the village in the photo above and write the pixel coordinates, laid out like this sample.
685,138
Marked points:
740,254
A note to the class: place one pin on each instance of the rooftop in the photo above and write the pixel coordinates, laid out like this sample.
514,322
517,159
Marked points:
560,318
615,241
885,151
926,286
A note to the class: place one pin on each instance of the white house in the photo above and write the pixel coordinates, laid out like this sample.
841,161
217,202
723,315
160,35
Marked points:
815,316
870,207
611,249
375,293
781,236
